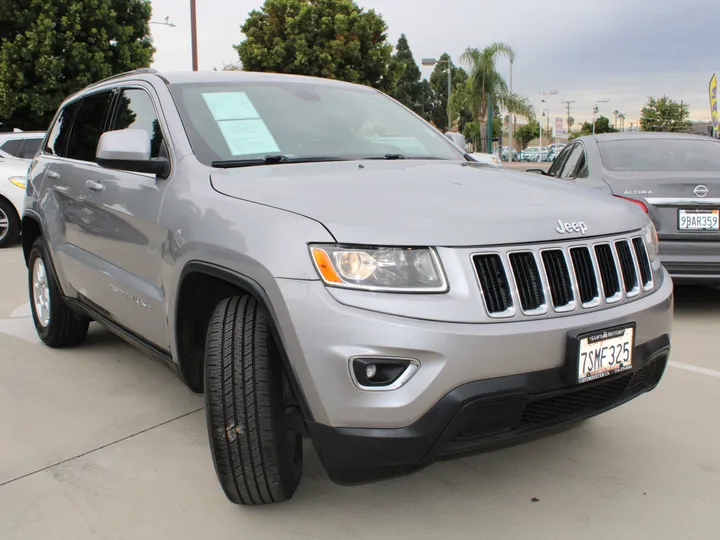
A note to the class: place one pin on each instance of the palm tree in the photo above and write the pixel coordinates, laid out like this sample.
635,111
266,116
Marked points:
486,88
616,113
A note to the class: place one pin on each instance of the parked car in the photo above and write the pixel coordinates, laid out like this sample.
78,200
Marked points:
509,154
535,153
673,177
556,148
382,296
13,172
487,159
20,144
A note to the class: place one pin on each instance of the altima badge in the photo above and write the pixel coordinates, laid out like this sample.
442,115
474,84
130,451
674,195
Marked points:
575,226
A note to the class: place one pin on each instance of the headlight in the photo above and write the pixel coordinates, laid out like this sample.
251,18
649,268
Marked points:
649,234
380,269
19,181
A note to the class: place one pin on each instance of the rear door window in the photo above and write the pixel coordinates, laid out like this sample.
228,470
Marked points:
30,148
89,124
60,132
12,147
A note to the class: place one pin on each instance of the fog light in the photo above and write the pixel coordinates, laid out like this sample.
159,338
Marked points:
382,373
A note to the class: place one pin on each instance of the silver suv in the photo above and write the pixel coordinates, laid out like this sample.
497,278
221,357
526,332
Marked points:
321,262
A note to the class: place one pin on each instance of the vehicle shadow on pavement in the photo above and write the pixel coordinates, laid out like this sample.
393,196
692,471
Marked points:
696,299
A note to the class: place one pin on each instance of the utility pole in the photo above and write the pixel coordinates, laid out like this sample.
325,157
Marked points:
596,110
193,31
567,104
511,117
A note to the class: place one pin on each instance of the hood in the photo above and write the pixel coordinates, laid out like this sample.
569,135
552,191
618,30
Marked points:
13,167
435,203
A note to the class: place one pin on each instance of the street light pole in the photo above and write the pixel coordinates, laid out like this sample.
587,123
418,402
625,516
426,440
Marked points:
193,31
596,110
511,117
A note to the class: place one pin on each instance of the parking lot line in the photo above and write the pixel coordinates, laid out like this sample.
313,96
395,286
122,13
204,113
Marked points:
696,369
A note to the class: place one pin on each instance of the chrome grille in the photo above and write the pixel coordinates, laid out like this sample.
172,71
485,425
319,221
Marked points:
562,278
529,283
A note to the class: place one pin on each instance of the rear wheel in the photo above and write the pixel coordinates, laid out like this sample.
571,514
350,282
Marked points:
56,324
257,457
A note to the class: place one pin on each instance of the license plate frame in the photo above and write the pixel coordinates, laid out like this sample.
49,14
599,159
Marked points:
578,342
686,212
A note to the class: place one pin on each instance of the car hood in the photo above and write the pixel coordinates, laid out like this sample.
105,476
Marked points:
433,203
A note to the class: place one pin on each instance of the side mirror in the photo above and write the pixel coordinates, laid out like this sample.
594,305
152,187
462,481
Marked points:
129,150
537,171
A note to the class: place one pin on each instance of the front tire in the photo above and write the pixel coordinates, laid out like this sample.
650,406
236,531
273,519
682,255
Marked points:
257,458
9,224
56,324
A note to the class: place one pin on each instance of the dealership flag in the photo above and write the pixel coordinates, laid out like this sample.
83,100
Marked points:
713,104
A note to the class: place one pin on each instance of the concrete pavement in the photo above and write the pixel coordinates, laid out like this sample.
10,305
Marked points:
101,442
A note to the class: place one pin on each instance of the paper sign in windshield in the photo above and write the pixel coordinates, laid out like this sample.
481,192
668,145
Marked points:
230,106
240,124
245,137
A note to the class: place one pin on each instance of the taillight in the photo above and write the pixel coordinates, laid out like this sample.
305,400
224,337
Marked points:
639,203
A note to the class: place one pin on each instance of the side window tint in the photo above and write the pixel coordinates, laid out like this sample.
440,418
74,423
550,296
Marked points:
135,111
60,133
30,148
571,163
12,147
88,126
558,163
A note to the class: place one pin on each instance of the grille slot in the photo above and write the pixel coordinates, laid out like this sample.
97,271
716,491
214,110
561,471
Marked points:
643,262
584,274
494,283
528,281
608,271
558,276
627,266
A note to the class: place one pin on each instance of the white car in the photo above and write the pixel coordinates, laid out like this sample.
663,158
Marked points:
13,173
487,159
20,144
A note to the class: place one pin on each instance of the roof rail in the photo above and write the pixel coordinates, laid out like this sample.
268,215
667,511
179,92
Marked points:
135,71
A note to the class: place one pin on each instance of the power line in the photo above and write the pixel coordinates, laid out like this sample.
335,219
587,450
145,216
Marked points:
567,105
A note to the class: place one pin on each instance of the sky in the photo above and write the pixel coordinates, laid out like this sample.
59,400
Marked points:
587,50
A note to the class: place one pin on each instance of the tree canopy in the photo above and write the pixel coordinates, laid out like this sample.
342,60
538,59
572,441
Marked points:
665,114
439,85
49,49
334,39
410,90
486,89
527,132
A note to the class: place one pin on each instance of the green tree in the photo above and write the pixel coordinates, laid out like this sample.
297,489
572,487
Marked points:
527,132
602,125
409,90
439,84
334,39
665,114
52,48
485,85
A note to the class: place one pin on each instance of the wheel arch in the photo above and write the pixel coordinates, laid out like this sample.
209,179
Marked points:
201,287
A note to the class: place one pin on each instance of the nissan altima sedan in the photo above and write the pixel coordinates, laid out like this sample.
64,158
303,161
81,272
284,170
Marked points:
673,177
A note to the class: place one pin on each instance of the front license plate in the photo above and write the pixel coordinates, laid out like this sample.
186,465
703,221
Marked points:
698,220
605,353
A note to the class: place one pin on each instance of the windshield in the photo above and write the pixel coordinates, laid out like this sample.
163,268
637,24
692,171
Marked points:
661,155
239,121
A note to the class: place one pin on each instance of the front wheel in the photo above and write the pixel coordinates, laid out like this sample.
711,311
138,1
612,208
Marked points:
257,457
9,224
56,324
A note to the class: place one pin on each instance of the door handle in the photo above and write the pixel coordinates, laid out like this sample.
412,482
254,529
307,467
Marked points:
95,186
53,174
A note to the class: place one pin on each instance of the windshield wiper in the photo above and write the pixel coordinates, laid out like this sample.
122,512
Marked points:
400,156
271,160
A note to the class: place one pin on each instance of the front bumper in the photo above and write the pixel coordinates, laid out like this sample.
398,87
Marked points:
483,415
322,335
691,262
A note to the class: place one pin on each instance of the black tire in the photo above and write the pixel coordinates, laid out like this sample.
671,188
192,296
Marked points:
257,458
65,328
11,235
